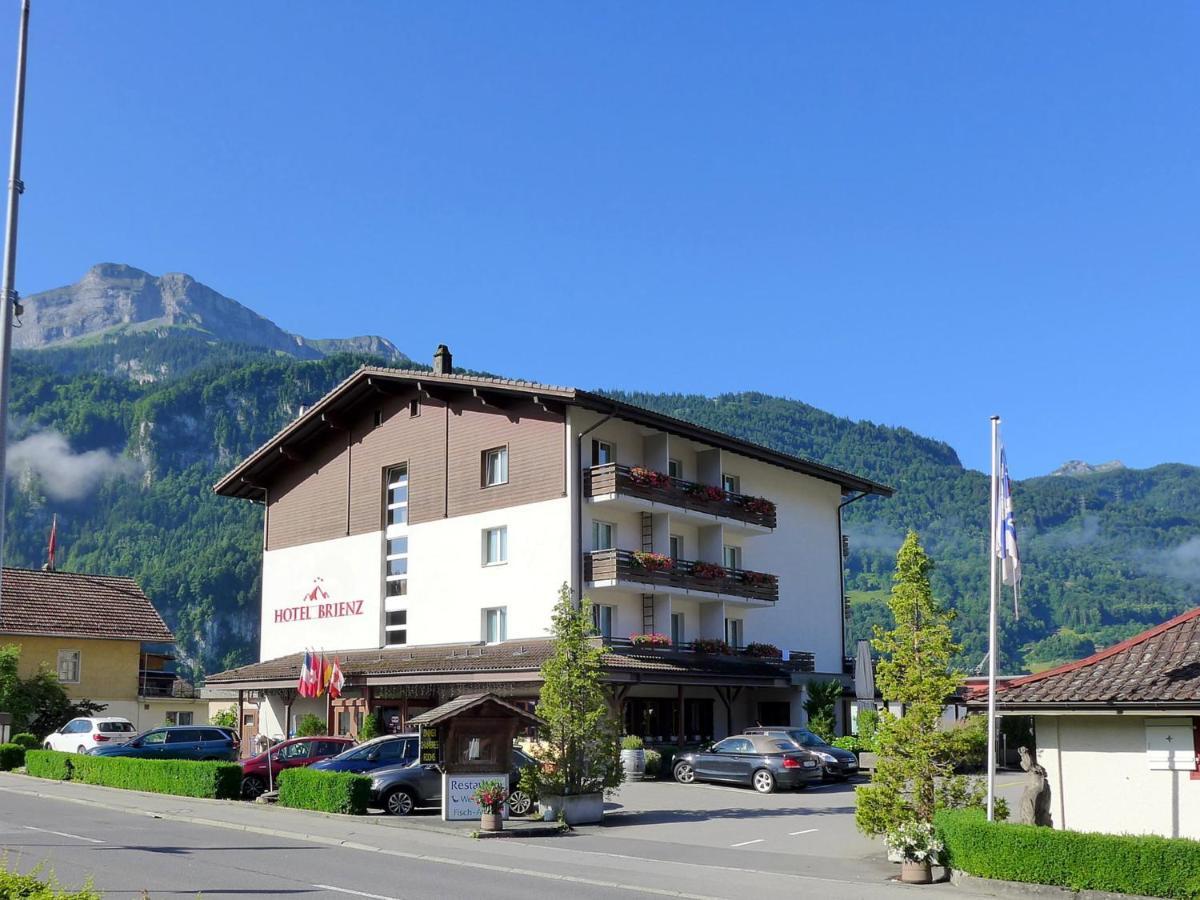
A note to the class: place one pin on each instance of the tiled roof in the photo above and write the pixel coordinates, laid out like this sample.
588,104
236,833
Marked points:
71,604
1159,666
509,657
464,702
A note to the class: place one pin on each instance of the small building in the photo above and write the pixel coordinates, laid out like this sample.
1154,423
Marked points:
1119,733
104,639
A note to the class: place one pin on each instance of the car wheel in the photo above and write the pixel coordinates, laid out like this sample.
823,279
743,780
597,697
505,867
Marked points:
252,787
519,803
399,802
81,749
764,782
684,773
46,746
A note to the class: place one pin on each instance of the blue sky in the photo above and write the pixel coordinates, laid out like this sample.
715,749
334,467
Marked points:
917,214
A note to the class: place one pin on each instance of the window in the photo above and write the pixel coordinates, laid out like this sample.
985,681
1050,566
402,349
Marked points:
734,632
68,666
731,483
157,737
397,495
603,618
182,717
676,629
495,625
676,547
732,557
495,546
414,407
603,453
603,535
733,745
395,629
495,466
675,468
396,567
378,417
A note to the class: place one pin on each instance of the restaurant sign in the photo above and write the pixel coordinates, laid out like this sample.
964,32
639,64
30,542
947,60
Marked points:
457,802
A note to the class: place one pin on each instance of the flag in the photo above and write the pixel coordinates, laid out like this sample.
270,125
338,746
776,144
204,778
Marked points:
320,679
53,545
1006,536
336,679
302,684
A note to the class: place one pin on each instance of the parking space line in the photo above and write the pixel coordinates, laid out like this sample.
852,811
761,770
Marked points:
805,831
330,887
744,843
77,837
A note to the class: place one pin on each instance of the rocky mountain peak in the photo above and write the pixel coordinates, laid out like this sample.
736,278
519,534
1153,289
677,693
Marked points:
1077,467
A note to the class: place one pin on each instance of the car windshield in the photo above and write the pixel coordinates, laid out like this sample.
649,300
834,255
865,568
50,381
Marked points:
362,751
111,727
807,739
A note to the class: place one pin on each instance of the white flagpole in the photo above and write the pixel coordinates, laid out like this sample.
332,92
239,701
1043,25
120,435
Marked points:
992,591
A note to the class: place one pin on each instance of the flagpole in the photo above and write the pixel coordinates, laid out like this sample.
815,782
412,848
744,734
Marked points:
992,592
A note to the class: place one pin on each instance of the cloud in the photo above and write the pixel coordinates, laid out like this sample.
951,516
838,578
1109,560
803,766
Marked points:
1088,532
64,474
1182,562
872,536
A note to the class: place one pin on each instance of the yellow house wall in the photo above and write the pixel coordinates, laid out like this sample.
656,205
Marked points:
108,670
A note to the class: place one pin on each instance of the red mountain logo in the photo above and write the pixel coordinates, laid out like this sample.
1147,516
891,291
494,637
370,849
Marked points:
317,592
322,608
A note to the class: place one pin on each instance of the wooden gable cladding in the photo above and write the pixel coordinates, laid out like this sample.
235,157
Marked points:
333,485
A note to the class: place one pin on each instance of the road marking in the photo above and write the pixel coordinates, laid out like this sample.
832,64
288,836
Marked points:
745,843
78,837
330,887
805,831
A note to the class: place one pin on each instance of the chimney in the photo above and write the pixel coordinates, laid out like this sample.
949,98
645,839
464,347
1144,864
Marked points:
443,363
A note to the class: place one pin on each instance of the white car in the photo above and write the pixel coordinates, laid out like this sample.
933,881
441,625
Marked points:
81,735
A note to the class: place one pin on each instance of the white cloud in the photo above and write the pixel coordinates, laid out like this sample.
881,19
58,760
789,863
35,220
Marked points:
64,474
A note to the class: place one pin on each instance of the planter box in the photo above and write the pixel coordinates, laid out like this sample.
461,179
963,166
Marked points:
582,809
634,764
868,761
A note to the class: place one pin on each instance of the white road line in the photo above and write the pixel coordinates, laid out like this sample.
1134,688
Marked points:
330,887
77,837
805,831
745,843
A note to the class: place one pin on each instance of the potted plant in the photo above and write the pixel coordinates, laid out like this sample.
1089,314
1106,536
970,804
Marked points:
652,562
759,506
918,847
710,645
758,579
649,478
763,651
707,493
633,757
491,796
650,639
707,570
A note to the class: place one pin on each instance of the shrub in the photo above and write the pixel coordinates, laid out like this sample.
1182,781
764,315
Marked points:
849,742
26,740
182,777
653,764
868,721
311,725
12,756
1128,864
632,742
335,792
226,718
34,887
965,745
370,728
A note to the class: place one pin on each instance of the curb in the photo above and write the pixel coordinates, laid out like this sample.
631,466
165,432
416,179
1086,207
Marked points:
996,887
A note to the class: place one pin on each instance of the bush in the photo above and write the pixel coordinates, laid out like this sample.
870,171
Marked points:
965,745
632,742
12,756
653,764
849,742
26,740
868,721
33,887
335,792
226,718
311,725
1127,864
182,777
370,728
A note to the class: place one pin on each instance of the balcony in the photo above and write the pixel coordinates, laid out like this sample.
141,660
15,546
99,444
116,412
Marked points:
154,683
665,575
613,480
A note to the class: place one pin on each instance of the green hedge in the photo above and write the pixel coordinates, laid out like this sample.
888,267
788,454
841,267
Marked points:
336,792
32,887
12,756
1127,864
184,777
27,740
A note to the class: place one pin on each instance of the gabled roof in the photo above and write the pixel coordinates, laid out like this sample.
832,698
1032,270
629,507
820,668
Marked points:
464,702
1157,668
248,478
71,604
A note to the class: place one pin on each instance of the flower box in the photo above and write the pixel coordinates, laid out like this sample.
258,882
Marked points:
644,477
763,651
652,562
653,639
707,570
710,645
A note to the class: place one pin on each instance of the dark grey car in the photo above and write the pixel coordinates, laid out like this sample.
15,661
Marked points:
835,762
765,762
398,790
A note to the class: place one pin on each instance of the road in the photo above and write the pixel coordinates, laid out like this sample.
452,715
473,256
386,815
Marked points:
240,850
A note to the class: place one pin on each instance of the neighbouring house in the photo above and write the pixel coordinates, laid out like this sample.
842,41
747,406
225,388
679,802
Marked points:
1119,732
418,526
104,639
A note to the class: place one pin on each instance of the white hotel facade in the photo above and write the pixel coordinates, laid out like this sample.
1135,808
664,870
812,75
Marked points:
419,526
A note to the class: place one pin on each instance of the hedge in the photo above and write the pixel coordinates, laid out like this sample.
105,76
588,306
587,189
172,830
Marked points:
27,740
335,792
1128,864
12,756
183,777
31,887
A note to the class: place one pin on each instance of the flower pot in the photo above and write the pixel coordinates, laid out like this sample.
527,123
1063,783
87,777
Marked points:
577,809
916,872
491,821
634,764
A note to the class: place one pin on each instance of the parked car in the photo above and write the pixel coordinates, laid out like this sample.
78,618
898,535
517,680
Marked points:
81,735
765,762
291,754
389,750
835,762
398,790
208,742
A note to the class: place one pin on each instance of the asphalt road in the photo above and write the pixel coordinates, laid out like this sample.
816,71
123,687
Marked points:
78,833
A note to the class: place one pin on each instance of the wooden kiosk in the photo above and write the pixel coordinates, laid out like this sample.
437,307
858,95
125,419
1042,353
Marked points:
471,740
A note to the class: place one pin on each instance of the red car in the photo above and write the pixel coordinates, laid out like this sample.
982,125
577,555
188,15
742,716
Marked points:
287,755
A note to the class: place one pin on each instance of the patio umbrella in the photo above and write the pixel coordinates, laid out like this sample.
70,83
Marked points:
864,676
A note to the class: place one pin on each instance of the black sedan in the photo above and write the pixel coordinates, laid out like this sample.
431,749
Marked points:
764,762
835,762
398,790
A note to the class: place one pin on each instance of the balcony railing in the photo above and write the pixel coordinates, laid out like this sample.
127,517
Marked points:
648,485
679,574
156,683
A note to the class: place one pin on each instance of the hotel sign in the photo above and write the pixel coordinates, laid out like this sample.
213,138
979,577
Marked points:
316,604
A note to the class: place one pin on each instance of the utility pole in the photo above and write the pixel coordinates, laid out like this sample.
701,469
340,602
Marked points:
9,307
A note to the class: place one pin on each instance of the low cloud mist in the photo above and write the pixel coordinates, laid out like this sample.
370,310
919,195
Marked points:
64,474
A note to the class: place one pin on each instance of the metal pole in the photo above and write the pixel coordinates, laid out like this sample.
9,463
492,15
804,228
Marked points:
8,295
991,730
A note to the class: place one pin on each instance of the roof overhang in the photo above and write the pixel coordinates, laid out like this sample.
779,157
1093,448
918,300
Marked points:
1182,708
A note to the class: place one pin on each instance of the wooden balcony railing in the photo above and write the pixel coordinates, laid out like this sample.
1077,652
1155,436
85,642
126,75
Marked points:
681,574
156,683
648,485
